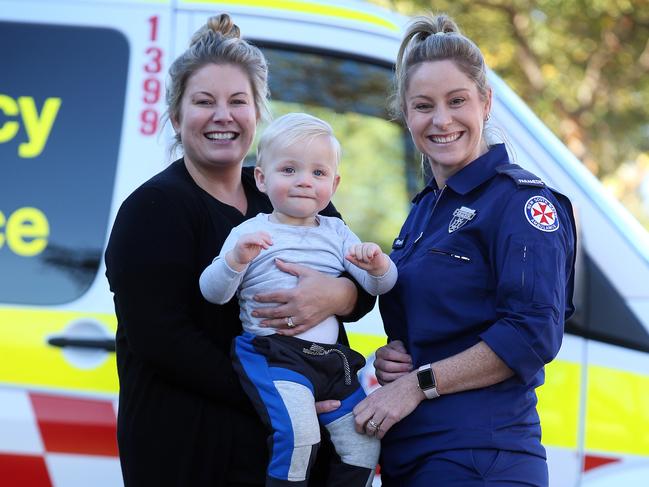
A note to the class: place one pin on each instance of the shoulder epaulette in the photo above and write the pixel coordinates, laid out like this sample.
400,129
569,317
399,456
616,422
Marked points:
522,177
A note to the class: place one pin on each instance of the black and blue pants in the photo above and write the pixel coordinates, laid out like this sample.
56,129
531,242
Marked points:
284,377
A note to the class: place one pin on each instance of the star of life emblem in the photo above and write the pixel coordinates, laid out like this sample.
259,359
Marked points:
460,217
541,214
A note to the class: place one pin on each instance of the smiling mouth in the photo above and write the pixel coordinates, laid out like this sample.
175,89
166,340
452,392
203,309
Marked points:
221,135
445,139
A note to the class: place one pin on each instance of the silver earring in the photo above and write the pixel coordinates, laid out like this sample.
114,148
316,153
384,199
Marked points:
488,117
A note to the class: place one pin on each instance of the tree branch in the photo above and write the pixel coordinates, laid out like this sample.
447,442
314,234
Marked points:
528,59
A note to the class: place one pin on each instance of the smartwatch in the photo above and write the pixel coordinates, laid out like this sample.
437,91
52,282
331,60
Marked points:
426,379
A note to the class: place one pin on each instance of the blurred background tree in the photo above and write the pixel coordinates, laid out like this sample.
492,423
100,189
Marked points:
583,68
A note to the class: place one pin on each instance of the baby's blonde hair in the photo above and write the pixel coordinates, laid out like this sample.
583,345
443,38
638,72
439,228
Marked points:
295,127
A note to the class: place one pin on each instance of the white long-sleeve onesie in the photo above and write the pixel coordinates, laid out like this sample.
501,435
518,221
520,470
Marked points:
322,248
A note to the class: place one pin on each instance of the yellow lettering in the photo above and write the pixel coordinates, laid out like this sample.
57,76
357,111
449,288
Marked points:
2,224
8,130
27,231
38,128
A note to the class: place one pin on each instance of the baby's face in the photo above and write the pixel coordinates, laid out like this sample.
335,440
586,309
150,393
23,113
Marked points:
299,179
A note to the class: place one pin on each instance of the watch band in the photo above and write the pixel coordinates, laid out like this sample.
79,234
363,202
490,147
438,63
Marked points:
427,383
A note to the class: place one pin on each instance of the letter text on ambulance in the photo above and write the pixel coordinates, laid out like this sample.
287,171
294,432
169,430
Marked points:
37,124
25,231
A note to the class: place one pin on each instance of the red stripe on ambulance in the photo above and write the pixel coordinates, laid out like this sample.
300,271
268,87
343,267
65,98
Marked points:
74,425
23,470
594,461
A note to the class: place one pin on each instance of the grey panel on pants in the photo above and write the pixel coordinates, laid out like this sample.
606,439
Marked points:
353,448
300,405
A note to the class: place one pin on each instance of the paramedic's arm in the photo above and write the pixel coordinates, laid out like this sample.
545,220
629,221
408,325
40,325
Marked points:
532,309
476,367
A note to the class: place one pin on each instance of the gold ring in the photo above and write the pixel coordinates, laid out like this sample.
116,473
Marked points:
289,322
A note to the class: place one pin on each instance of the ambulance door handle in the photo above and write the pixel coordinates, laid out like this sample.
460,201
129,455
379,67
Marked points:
107,344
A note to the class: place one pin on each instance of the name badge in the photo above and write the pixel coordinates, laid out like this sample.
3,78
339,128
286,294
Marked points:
399,242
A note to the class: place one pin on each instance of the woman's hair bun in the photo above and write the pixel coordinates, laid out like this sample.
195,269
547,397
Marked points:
220,25
223,23
446,25
422,27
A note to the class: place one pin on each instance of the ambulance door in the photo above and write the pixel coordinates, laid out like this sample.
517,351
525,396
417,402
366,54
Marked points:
616,420
76,99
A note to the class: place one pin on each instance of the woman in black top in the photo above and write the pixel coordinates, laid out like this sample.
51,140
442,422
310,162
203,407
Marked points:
183,418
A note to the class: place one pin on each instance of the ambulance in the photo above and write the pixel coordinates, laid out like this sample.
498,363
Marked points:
81,100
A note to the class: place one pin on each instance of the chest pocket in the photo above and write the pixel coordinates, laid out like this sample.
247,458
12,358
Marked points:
459,270
450,290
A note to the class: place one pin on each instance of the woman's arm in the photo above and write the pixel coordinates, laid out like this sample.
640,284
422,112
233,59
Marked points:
316,297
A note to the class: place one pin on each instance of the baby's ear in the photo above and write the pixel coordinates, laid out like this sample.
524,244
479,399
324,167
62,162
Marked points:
260,179
336,183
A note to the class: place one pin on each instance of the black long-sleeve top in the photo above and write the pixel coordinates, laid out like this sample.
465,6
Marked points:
183,418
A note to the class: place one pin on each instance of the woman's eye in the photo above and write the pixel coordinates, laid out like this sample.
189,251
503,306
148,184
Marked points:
239,101
457,101
422,106
203,102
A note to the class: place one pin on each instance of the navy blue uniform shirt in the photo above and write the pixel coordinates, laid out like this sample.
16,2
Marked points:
488,257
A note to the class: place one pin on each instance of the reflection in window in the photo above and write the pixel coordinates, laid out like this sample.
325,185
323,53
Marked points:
66,188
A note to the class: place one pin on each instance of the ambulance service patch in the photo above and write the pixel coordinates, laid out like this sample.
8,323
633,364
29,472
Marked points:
541,214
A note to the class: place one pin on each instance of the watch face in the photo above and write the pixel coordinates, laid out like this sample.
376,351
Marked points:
425,378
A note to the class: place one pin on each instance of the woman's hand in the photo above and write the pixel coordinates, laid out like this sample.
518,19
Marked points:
316,297
387,405
391,362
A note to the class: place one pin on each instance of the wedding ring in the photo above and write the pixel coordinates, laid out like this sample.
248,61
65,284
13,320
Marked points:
289,322
373,424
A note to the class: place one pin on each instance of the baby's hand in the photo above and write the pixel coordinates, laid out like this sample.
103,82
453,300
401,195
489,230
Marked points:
370,257
247,248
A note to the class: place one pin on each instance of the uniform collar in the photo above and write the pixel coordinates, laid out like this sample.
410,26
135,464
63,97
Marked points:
477,172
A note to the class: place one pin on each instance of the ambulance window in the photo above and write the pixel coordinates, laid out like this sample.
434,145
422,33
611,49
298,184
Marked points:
59,141
377,172
602,312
